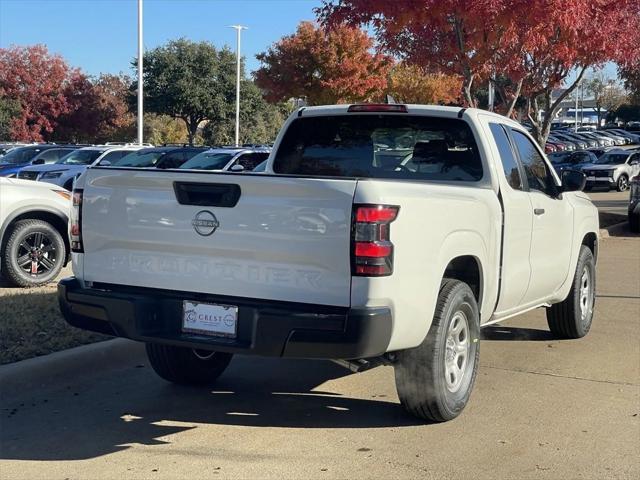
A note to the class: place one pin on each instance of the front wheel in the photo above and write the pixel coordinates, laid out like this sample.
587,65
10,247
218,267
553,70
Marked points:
434,380
572,318
187,366
623,183
33,254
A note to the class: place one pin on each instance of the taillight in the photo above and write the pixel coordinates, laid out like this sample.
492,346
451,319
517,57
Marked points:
372,250
76,222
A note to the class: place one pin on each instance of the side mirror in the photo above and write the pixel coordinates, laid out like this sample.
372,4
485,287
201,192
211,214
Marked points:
237,168
634,162
105,163
38,161
573,181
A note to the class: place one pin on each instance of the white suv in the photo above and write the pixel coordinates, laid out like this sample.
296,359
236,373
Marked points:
34,244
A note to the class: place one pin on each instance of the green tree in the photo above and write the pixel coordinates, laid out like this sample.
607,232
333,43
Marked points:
9,110
160,129
260,121
192,81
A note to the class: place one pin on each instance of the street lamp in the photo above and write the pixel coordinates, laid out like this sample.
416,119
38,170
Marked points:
140,55
238,29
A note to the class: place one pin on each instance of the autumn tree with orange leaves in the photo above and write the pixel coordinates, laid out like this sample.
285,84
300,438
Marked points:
412,84
323,67
536,45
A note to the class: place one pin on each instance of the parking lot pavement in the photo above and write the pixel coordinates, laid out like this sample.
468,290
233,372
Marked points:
542,408
610,201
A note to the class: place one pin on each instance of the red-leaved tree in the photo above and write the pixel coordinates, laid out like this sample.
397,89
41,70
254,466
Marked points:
98,110
535,45
324,67
36,81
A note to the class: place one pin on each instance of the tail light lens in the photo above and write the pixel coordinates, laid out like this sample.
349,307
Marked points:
76,222
372,250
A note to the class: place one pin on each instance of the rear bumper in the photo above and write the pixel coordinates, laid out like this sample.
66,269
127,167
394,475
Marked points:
276,329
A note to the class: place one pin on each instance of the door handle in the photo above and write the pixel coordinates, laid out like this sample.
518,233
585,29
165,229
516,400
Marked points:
538,211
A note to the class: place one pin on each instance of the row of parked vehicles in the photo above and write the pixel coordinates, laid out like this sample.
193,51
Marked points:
62,164
568,140
608,168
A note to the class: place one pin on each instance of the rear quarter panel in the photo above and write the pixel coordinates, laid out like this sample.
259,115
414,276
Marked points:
435,224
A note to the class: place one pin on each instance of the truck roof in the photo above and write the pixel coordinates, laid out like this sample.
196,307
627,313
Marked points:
434,110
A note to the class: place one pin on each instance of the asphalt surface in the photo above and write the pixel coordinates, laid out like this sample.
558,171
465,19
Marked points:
610,201
541,408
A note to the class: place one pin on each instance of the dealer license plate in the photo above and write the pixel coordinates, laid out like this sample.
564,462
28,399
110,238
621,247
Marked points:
209,319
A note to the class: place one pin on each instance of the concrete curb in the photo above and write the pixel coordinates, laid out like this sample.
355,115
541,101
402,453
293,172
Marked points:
60,367
617,230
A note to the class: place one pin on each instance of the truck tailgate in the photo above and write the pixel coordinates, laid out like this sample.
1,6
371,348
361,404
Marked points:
285,239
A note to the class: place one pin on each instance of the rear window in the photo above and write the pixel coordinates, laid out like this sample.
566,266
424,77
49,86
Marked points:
380,146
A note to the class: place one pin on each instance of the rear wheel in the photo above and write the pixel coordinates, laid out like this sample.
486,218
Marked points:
572,318
435,379
33,254
187,366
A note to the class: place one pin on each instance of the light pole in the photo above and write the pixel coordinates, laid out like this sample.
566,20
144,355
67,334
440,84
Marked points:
238,29
140,55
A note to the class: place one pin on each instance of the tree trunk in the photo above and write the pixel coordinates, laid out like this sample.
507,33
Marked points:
516,95
541,129
466,90
192,128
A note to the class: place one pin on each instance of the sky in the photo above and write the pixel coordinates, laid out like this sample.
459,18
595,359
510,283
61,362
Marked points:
101,35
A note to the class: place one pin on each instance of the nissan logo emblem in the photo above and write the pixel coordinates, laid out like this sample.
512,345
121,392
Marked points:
205,223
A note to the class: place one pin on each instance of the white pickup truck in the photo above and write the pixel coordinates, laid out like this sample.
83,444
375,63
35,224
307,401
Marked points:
377,230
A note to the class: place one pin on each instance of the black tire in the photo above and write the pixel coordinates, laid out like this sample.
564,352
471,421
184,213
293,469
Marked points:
186,366
31,241
623,183
421,372
566,319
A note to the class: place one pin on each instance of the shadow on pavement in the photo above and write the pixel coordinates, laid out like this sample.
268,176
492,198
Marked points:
498,332
98,416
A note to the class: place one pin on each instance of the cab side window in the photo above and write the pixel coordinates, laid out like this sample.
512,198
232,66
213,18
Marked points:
535,168
509,162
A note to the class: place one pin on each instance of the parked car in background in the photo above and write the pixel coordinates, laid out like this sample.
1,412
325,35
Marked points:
68,168
634,205
613,169
5,147
599,140
177,157
633,137
598,152
158,157
618,140
17,158
572,160
568,146
585,137
221,159
34,245
577,142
